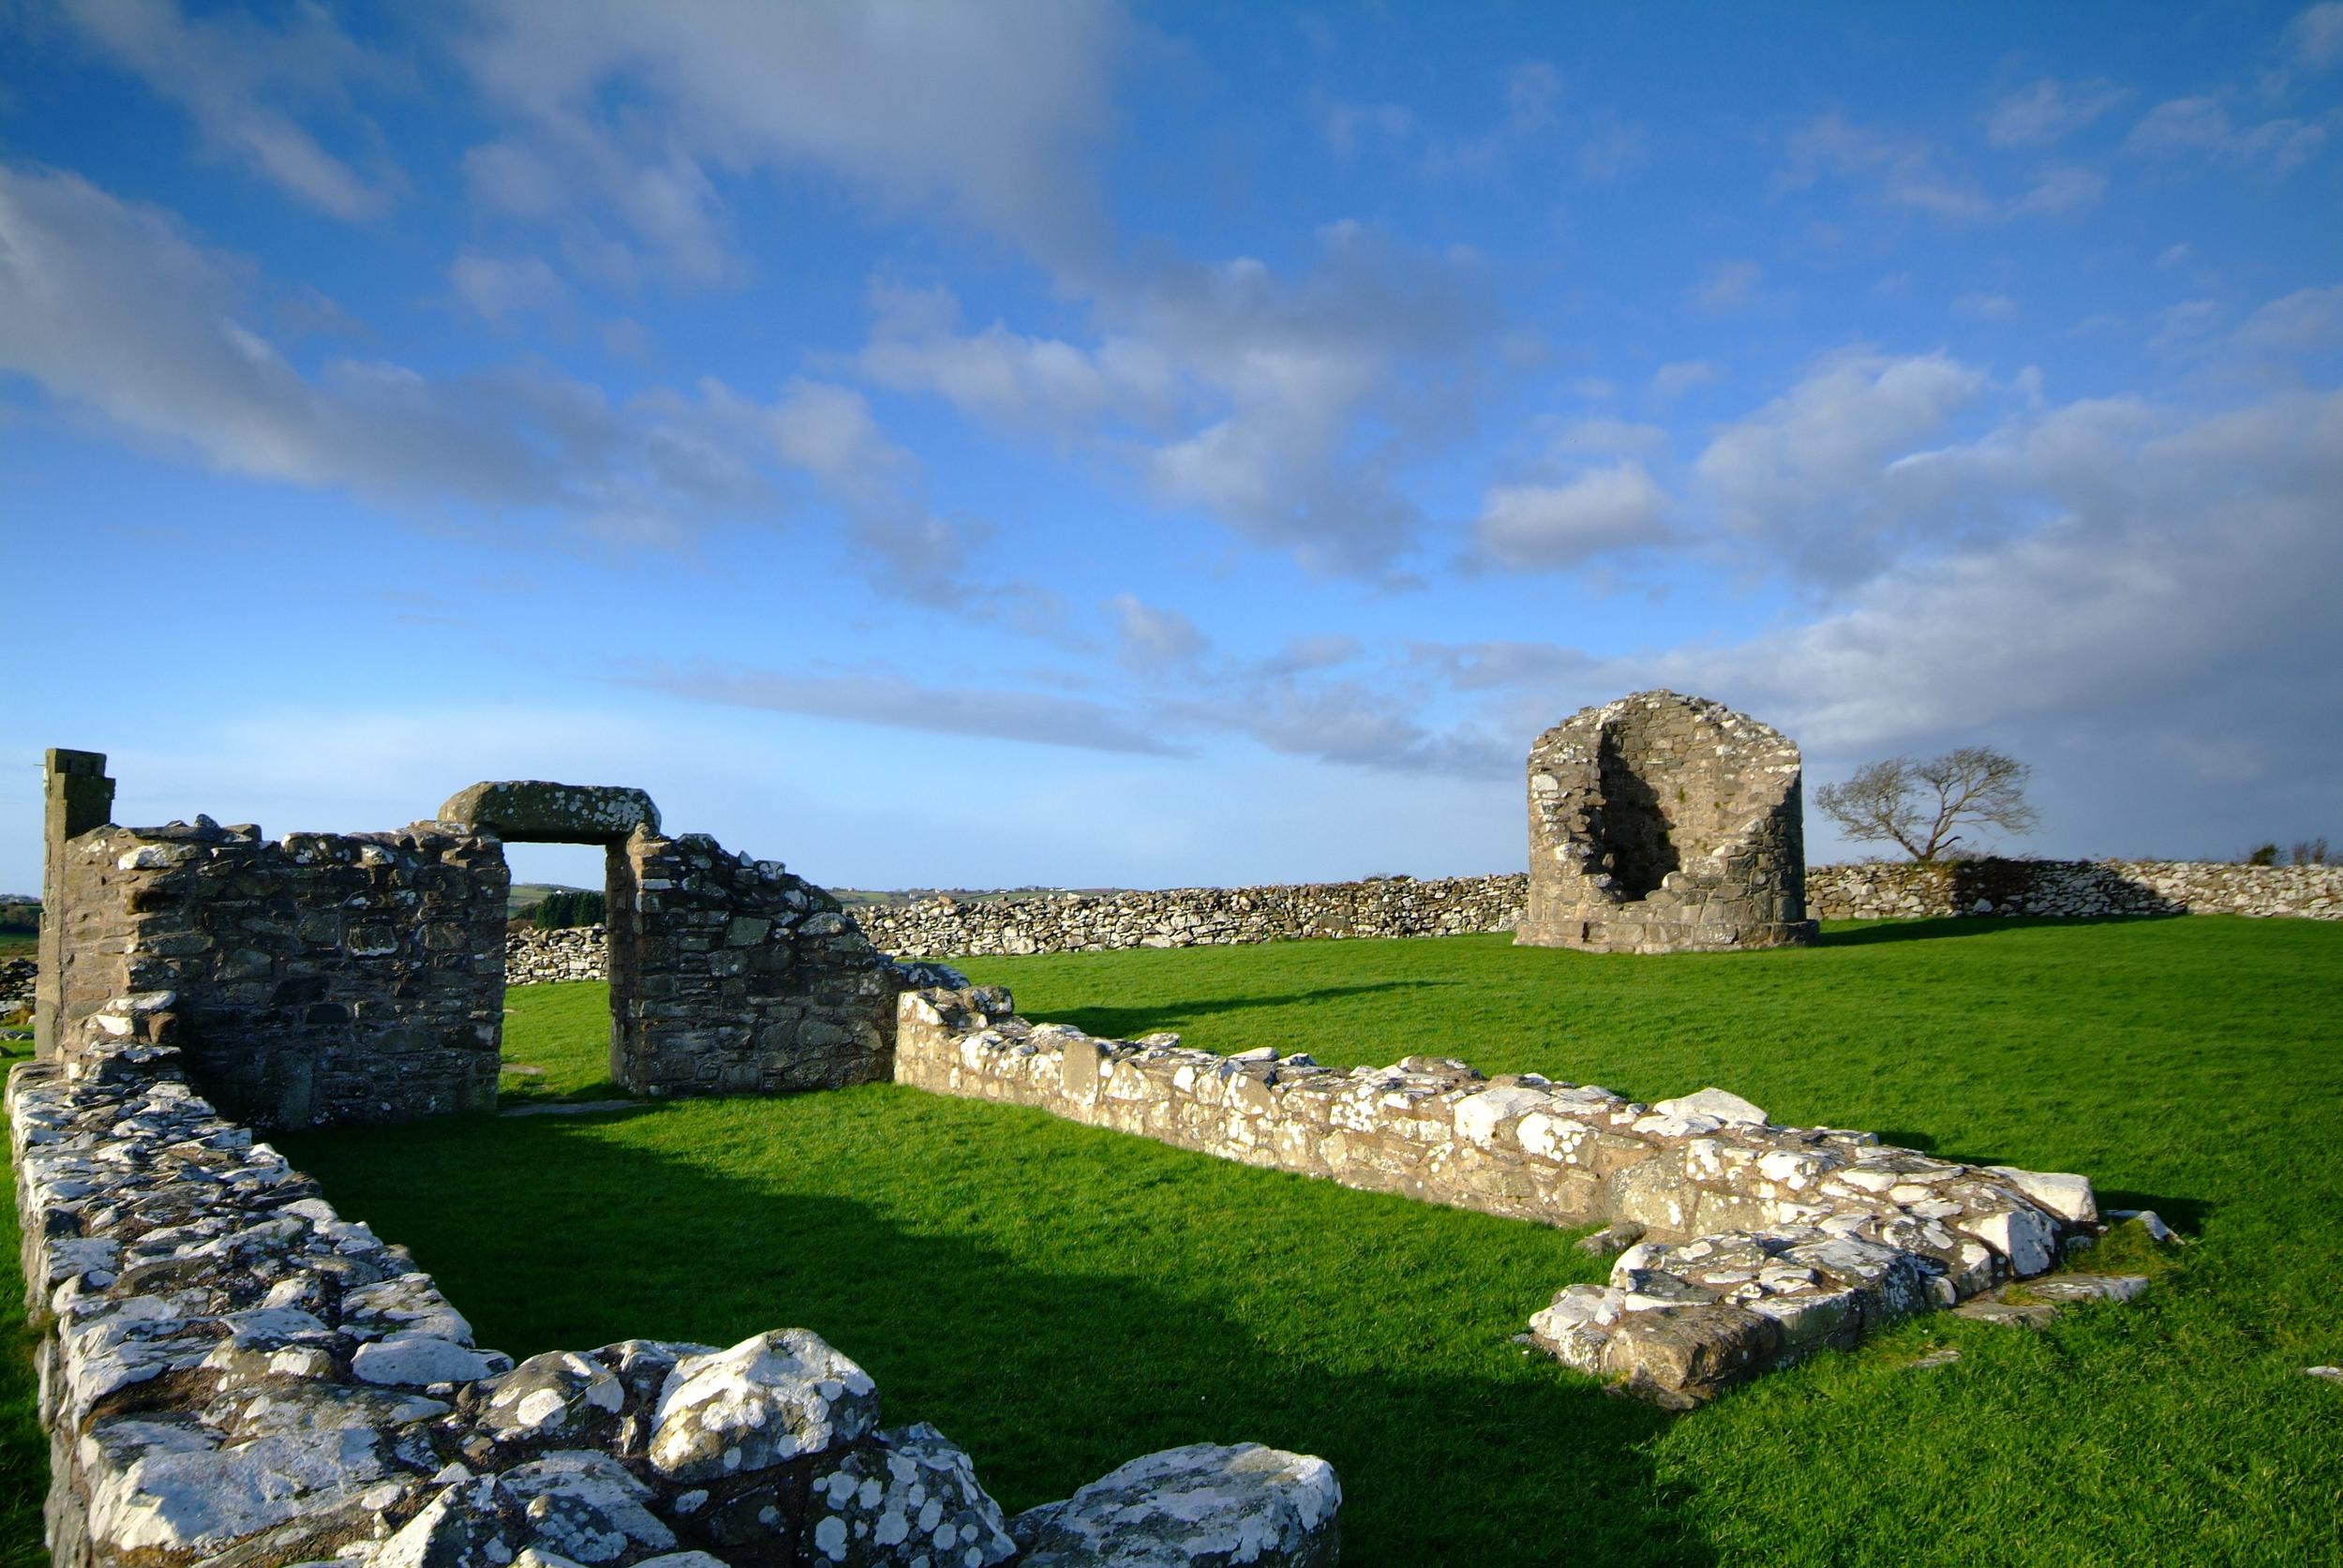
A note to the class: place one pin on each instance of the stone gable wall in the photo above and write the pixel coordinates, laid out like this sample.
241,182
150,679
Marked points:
321,978
1759,1242
730,975
234,1375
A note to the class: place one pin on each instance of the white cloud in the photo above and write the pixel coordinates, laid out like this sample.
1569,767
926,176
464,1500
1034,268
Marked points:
1986,307
1011,379
1533,90
897,702
2316,34
1348,127
233,75
1610,436
1153,637
1728,286
2203,127
1678,376
1281,406
499,287
1902,169
1809,472
1909,173
2303,319
2058,190
1552,527
2049,110
111,306
987,114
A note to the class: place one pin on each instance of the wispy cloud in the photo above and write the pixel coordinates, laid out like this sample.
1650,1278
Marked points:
242,81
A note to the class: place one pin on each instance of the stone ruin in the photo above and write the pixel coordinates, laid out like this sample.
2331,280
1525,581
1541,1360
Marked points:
327,978
234,1376
1662,823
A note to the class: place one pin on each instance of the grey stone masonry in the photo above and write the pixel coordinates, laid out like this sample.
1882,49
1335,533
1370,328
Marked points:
77,797
321,978
1193,917
1761,1243
1886,891
1662,823
235,1376
729,976
551,957
1453,905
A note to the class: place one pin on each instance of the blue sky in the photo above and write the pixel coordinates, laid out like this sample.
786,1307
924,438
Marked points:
1067,443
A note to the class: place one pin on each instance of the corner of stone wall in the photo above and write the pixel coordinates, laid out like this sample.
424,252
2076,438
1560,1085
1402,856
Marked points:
234,1375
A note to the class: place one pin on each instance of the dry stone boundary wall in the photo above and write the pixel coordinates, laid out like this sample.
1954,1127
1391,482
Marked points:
1759,1244
232,1375
1885,890
1194,917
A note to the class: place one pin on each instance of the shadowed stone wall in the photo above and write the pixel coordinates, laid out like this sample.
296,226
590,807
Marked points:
323,977
1662,823
232,1375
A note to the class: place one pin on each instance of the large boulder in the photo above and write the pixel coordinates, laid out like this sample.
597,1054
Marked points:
1201,1507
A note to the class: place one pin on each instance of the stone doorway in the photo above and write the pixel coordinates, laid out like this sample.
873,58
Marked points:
534,811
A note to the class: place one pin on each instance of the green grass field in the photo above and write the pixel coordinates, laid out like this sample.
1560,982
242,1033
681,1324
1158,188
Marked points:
1060,1298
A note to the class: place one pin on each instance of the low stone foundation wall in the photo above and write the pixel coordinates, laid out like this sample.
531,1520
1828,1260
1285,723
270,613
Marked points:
1763,1242
1885,890
234,1375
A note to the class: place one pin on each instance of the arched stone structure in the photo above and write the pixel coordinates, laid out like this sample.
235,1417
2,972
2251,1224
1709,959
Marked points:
1662,823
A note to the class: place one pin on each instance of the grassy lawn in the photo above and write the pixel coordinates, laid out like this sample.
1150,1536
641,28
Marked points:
1060,1298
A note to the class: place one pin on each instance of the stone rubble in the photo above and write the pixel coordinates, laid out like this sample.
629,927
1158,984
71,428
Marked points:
234,1375
1759,1242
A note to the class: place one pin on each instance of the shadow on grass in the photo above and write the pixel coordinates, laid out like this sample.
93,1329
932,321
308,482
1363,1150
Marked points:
1124,1023
1872,932
1452,1445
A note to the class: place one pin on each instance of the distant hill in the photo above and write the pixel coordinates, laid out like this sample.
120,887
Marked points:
527,896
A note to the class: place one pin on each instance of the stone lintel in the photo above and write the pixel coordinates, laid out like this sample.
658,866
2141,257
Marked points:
534,811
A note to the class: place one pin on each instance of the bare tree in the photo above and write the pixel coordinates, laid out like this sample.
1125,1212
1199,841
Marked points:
1918,804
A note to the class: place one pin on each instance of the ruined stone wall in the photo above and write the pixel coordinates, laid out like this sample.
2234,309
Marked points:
730,975
323,977
1848,1232
1893,890
1662,823
232,1374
